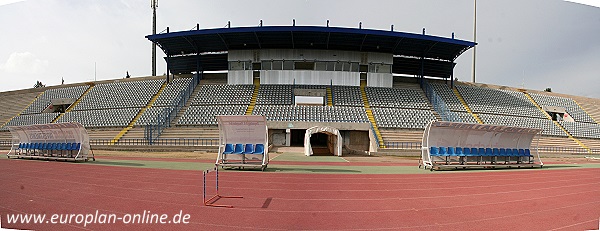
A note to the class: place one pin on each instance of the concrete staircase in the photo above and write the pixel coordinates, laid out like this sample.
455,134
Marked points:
254,97
329,97
139,114
70,108
555,122
464,103
363,84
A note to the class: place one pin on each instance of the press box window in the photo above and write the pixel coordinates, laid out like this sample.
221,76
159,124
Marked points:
267,65
304,66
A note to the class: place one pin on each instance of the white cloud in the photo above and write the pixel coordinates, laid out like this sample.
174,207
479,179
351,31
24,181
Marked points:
6,2
24,63
595,3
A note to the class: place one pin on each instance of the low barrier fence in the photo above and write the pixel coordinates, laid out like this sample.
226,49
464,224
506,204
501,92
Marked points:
207,142
215,142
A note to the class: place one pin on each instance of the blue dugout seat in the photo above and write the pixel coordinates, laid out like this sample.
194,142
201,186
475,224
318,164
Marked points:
260,149
228,149
239,148
249,149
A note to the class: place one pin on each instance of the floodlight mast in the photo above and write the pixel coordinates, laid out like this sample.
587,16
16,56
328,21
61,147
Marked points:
474,39
154,5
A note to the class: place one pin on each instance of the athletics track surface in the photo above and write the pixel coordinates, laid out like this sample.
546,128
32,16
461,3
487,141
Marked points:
329,195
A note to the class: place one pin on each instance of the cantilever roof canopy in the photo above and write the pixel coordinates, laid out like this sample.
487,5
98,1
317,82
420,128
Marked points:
182,47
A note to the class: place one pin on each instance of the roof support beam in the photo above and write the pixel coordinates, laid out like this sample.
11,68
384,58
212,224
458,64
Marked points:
257,40
223,40
363,42
191,44
430,47
397,44
327,43
293,44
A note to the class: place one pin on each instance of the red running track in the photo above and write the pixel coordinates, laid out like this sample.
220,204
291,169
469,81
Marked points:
567,199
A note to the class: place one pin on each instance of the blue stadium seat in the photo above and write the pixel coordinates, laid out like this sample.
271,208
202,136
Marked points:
467,152
249,149
481,151
68,147
260,149
75,147
488,152
451,151
228,149
443,151
459,151
528,155
496,152
433,151
502,152
474,152
521,152
515,152
239,148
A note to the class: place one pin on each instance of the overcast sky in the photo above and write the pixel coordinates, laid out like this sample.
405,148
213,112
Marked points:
535,43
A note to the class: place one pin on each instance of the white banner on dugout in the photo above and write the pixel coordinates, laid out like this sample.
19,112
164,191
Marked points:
242,129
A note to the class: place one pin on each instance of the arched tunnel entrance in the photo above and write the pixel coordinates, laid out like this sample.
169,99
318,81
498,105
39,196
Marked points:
319,144
322,141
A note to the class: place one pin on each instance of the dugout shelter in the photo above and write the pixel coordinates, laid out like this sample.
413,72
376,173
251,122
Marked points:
243,141
54,141
451,145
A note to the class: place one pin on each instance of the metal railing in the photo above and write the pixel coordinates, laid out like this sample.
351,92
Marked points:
403,145
439,105
374,134
205,142
565,150
166,116
332,93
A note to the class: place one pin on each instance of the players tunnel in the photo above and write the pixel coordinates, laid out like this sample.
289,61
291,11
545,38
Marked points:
322,140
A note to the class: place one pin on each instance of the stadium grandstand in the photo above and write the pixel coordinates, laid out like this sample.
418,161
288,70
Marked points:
379,88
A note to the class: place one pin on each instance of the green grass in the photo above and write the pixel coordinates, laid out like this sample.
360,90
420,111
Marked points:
296,156
316,168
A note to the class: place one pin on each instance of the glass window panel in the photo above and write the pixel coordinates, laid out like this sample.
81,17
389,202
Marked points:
345,66
384,68
236,65
277,65
321,66
266,65
354,67
330,66
288,65
338,66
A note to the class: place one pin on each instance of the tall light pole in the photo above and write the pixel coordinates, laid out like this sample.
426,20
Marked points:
474,39
154,5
